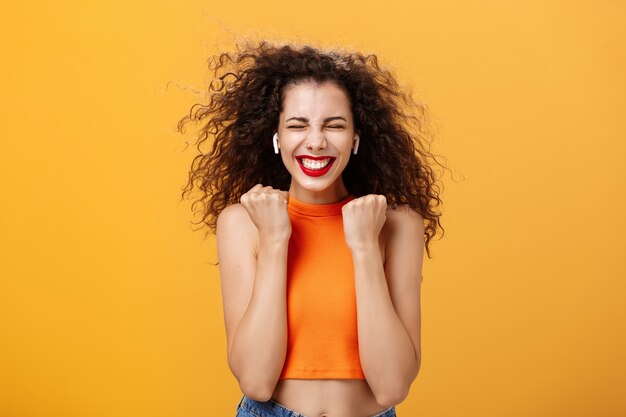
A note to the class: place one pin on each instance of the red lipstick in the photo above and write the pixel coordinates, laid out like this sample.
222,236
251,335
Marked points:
315,172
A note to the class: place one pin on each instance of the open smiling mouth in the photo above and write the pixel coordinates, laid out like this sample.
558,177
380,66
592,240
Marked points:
315,168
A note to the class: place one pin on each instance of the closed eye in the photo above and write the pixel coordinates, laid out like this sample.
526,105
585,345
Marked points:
300,127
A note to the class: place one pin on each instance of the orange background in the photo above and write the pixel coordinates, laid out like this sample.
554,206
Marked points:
109,304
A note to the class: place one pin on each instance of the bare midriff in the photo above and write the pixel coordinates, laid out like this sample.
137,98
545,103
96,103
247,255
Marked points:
327,397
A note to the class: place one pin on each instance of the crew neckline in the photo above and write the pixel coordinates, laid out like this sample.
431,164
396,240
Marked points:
318,210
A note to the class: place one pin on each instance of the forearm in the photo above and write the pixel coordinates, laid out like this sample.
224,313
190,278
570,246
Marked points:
260,341
387,355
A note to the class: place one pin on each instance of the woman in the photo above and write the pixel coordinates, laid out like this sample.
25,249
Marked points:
318,188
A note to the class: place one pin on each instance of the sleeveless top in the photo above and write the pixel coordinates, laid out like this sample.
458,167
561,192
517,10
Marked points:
321,296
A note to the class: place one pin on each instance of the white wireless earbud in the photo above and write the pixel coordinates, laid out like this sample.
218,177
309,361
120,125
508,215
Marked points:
275,140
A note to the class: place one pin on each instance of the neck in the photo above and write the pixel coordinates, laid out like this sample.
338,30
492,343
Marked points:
327,196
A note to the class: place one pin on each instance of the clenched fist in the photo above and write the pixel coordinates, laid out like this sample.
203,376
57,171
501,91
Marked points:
267,209
363,219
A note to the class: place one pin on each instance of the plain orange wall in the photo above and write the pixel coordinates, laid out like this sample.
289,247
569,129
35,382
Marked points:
109,303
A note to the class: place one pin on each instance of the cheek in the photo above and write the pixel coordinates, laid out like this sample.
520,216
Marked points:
348,146
289,142
288,160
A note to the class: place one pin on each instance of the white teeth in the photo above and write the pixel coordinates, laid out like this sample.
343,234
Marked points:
312,164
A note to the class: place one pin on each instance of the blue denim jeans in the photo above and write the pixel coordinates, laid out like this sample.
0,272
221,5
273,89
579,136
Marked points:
248,407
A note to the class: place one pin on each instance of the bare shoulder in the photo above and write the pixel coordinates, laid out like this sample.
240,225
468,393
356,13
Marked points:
401,221
233,213
403,214
234,219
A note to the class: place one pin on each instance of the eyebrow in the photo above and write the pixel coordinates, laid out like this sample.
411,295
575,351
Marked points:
305,120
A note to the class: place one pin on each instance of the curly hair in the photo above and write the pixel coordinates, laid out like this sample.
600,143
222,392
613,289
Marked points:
246,94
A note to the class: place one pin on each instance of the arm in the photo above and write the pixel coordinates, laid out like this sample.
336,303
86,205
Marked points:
254,296
388,308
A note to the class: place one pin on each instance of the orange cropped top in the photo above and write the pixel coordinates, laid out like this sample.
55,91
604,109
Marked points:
321,297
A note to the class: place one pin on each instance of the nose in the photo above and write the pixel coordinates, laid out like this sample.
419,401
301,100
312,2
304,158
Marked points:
316,140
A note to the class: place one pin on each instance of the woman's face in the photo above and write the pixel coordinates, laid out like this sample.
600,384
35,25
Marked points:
316,122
